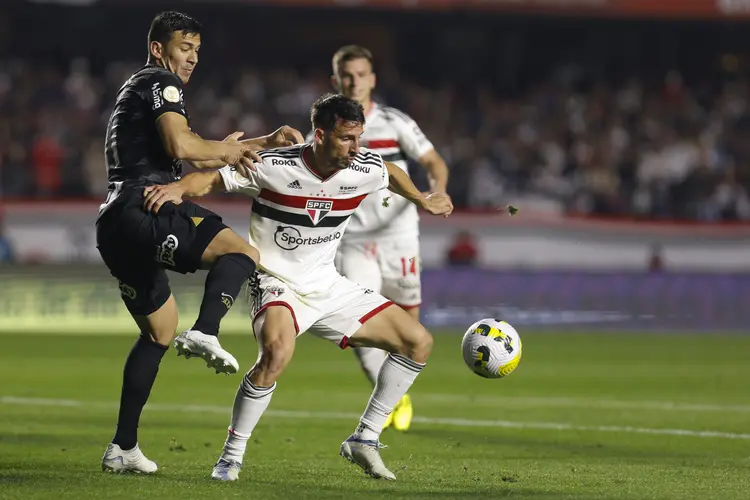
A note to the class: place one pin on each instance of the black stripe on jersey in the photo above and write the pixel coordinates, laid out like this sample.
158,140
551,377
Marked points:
394,157
368,158
295,219
290,154
371,163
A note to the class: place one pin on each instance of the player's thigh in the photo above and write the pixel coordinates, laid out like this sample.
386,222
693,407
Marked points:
181,234
401,268
358,262
347,309
144,288
394,330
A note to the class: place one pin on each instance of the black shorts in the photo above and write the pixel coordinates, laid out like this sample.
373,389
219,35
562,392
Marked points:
138,246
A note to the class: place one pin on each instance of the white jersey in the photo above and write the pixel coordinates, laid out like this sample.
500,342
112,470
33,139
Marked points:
396,137
298,218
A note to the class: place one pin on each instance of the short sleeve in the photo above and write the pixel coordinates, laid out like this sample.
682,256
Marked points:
166,94
411,138
372,163
235,182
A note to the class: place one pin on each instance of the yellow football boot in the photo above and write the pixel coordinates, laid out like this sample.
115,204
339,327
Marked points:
389,420
402,414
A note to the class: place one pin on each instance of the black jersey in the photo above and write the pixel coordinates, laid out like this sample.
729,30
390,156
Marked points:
134,151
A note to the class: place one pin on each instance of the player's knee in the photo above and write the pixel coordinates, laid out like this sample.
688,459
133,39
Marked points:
250,251
274,357
417,344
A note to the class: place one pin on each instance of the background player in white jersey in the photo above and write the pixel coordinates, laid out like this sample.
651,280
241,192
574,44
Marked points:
380,249
304,197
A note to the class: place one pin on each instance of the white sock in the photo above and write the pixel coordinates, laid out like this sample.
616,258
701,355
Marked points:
395,377
371,359
250,403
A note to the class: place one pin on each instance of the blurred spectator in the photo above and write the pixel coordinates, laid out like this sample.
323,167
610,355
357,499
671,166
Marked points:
654,143
656,258
463,251
6,250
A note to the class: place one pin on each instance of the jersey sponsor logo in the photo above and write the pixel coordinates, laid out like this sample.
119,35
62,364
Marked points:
287,163
359,168
156,95
165,251
171,94
289,238
294,184
347,189
318,209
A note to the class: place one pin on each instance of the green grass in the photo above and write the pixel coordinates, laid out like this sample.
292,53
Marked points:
584,417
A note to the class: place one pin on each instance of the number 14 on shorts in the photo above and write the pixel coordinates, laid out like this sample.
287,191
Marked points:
408,266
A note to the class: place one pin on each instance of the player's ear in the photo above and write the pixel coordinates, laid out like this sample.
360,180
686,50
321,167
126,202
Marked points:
319,133
156,49
335,82
374,81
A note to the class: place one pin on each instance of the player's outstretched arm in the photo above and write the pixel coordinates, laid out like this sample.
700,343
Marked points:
195,184
400,183
183,144
436,169
281,137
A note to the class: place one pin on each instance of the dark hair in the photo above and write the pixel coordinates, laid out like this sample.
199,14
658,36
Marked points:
331,108
349,53
166,23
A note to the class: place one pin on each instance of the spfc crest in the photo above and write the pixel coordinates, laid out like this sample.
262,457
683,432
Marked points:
317,209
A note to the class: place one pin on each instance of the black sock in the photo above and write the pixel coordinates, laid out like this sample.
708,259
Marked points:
223,285
140,372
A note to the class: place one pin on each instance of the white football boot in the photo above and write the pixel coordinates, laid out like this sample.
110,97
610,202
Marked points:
366,454
116,459
194,343
226,470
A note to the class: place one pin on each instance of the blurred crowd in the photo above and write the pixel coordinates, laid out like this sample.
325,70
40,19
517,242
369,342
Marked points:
662,148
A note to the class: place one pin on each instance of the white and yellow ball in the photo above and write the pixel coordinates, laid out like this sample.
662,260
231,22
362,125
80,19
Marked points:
491,348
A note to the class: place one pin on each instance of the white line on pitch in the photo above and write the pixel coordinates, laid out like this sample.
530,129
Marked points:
457,422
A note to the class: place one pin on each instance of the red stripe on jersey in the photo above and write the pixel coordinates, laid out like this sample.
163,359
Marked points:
382,144
301,201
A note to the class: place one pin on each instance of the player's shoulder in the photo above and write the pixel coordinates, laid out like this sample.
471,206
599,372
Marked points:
287,151
284,153
368,157
392,114
150,73
289,156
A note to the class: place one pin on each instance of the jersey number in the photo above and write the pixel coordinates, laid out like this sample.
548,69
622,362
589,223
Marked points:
408,266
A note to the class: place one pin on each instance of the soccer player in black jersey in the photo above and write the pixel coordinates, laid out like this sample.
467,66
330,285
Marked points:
148,137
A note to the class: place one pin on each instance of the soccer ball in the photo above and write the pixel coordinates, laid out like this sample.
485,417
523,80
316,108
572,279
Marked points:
491,348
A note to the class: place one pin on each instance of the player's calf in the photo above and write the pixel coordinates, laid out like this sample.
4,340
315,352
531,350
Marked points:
276,334
409,345
232,261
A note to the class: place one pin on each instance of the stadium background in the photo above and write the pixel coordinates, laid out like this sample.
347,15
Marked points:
620,128
623,139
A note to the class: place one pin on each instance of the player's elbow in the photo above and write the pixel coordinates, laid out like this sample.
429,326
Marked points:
175,149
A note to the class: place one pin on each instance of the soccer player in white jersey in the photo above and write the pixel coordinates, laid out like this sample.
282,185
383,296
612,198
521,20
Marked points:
380,249
303,198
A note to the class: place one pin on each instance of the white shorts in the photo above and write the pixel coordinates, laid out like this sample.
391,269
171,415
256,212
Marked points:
335,313
390,267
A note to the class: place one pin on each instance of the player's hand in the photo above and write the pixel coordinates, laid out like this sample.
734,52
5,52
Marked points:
156,196
241,155
285,136
438,204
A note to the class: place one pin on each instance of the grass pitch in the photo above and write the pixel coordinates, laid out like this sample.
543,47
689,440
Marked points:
585,416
